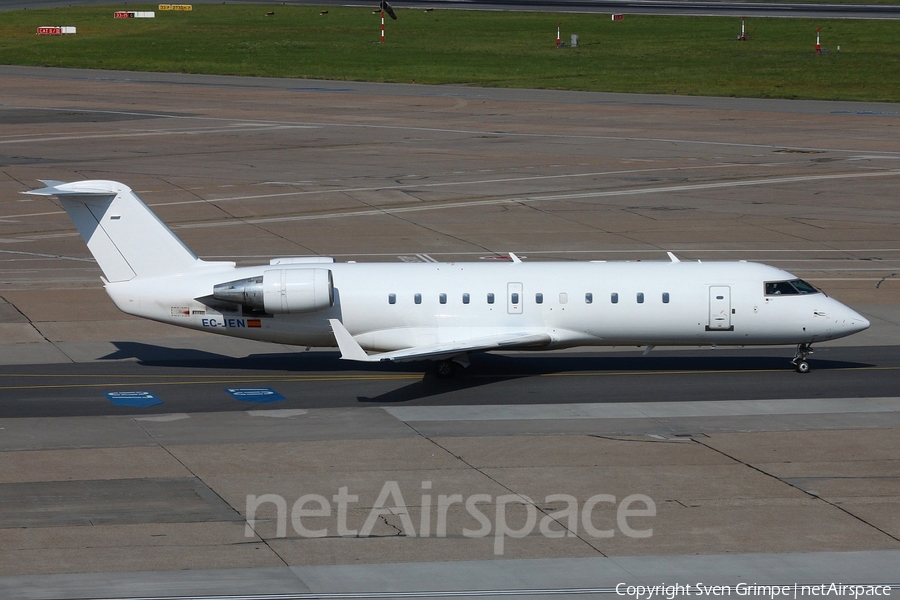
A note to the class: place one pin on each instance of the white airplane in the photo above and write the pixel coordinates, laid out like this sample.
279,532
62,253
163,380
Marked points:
443,311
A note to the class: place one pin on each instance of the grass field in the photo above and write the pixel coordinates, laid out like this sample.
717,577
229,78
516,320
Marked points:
654,54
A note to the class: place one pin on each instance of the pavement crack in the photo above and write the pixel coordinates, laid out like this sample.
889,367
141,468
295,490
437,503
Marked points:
247,524
545,511
812,495
33,326
640,440
883,279
400,532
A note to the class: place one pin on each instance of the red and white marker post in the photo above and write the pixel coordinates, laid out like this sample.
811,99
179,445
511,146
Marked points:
818,45
382,24
743,38
558,42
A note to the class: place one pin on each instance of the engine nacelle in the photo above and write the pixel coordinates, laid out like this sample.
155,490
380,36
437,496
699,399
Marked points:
281,291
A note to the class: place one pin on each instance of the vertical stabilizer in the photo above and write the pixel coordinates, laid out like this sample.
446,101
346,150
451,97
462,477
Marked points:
125,237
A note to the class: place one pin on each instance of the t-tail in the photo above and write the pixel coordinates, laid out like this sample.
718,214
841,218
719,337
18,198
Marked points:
127,240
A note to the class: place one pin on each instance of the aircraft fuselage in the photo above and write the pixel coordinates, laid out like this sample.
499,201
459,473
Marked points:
390,306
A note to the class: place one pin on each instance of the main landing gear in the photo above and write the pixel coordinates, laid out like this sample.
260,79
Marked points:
445,369
801,365
449,368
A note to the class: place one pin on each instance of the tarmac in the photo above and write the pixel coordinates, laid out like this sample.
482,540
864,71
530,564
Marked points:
797,487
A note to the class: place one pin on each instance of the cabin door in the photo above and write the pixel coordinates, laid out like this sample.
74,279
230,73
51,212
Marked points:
514,298
719,308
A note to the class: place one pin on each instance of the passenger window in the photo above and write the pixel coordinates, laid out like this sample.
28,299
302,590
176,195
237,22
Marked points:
539,298
392,298
514,298
490,298
443,298
589,298
640,297
665,297
465,298
563,297
418,298
614,297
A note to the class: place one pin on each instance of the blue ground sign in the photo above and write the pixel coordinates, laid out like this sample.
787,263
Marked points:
255,394
133,399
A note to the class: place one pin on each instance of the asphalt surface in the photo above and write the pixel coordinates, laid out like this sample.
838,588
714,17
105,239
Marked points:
188,381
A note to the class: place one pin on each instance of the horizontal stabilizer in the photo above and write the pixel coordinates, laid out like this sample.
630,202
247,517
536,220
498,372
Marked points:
75,188
122,233
351,350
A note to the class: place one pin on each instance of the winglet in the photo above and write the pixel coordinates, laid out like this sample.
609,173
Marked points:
514,258
673,257
350,348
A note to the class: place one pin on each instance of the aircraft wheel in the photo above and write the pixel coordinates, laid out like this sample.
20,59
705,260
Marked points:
802,366
445,369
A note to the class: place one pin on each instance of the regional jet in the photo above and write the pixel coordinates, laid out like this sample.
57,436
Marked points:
444,311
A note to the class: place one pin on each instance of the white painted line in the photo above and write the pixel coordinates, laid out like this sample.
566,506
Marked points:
382,188
135,134
416,186
498,134
532,199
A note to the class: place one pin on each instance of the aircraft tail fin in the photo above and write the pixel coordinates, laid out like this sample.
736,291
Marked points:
122,233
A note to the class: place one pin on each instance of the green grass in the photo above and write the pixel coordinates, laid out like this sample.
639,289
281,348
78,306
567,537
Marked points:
653,54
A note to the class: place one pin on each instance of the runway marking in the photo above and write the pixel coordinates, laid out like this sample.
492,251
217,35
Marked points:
415,186
225,381
217,380
465,204
532,199
258,395
39,255
490,181
314,124
140,399
154,133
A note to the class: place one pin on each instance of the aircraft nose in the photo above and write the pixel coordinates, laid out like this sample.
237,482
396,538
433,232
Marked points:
858,322
853,321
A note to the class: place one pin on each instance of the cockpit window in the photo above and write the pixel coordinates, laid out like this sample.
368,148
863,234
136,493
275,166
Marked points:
803,287
793,287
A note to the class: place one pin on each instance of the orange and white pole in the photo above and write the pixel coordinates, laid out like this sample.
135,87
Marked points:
558,25
818,45
382,23
743,38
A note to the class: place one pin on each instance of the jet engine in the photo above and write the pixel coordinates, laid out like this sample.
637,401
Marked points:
281,291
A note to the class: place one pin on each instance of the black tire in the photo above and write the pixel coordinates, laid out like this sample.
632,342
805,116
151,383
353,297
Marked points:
802,366
445,369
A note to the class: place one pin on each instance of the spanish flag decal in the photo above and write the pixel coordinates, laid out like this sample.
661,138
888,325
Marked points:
254,323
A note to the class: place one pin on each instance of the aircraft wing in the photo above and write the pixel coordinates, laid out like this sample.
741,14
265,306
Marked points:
351,350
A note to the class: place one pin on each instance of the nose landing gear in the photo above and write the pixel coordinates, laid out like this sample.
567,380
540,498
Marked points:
801,365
